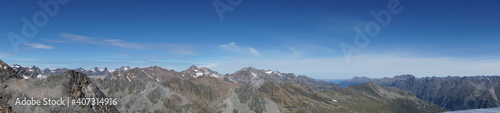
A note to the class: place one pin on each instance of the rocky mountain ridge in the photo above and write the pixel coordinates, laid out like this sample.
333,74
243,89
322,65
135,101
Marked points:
70,84
201,90
451,92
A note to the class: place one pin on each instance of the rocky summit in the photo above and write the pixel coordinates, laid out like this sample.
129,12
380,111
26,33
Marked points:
68,85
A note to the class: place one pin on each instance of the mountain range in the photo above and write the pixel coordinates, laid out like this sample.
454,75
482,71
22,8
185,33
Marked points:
451,92
200,89
35,72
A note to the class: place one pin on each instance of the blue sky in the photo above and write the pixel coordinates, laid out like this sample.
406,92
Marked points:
425,38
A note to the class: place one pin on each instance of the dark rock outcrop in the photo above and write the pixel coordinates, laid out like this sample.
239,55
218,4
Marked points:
78,85
6,72
452,92
455,93
70,84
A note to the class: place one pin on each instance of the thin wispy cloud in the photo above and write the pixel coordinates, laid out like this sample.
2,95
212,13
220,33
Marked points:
4,54
38,46
294,53
123,44
53,41
232,47
254,52
182,49
103,42
7,56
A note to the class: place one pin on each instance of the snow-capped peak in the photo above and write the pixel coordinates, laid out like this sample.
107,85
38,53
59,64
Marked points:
124,68
96,69
15,66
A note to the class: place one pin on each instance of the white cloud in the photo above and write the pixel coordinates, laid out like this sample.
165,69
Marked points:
123,44
232,47
104,42
38,46
253,51
182,49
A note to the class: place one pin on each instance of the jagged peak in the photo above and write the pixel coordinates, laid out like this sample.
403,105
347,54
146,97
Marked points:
152,68
7,71
125,68
4,66
405,76
249,68
192,68
204,68
2,63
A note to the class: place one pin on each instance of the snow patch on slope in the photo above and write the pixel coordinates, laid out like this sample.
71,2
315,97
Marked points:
253,74
40,76
147,74
198,74
25,77
214,75
129,79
